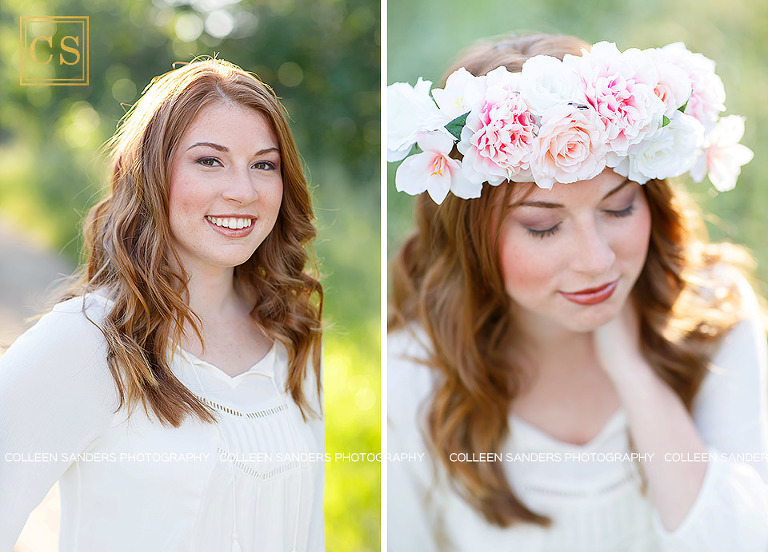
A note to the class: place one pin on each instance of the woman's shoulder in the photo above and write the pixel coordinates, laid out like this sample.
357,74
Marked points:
72,325
410,378
91,305
65,352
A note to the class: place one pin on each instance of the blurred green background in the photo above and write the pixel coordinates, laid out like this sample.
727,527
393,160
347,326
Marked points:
424,37
322,57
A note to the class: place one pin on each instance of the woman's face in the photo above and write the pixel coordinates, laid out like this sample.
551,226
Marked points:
226,186
570,256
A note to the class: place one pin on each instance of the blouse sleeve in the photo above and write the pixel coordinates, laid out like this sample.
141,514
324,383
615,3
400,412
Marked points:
56,396
410,475
731,413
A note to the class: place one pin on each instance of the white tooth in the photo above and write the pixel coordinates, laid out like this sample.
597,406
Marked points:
232,223
240,224
248,223
217,221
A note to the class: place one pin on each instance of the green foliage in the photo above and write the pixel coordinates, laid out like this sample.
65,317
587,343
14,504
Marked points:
322,57
455,127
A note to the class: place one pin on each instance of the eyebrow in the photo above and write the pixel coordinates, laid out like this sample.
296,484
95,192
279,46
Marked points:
219,147
549,205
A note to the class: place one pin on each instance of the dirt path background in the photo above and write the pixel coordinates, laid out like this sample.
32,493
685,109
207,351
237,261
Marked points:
28,274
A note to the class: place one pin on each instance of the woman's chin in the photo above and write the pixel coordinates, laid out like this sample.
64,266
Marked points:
592,320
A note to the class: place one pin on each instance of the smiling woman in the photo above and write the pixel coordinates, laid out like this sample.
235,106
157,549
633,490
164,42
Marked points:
175,393
225,177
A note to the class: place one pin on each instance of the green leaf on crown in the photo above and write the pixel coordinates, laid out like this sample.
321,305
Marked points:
665,121
455,126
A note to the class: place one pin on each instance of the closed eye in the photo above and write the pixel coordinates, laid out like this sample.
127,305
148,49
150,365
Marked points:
544,233
623,212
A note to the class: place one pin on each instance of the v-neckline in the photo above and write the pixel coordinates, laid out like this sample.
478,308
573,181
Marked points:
264,366
618,417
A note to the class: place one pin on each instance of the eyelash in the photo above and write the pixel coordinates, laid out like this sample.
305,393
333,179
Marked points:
624,212
267,165
541,234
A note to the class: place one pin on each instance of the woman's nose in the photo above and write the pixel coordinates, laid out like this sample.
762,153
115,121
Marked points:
240,187
592,253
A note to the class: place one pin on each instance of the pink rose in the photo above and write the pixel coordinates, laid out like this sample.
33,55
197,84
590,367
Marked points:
570,146
708,93
673,86
620,87
497,139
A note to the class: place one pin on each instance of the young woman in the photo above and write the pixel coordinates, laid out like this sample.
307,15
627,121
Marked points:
175,392
572,366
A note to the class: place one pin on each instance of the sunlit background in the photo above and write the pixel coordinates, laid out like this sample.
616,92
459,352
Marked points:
323,58
424,38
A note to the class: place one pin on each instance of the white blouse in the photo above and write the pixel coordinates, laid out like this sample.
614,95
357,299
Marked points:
251,482
595,500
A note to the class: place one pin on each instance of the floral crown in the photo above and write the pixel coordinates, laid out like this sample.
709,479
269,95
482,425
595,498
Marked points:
643,113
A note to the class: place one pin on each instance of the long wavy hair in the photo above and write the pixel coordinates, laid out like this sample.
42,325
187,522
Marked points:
129,248
447,279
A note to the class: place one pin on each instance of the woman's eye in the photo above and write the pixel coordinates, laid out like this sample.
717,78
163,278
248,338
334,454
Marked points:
623,212
209,161
544,233
264,165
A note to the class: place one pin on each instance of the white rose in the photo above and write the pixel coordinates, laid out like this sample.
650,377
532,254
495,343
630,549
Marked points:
670,151
546,81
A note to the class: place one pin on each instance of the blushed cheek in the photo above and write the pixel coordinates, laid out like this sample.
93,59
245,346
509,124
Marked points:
637,236
524,272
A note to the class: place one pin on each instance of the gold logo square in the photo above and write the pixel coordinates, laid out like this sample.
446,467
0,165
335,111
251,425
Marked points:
54,50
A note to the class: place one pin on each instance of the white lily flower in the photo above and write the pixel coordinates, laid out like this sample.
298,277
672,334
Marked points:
434,171
723,156
410,110
462,92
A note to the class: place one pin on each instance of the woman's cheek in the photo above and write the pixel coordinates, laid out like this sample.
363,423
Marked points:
637,236
524,266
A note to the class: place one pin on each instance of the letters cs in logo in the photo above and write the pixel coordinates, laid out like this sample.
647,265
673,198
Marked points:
54,50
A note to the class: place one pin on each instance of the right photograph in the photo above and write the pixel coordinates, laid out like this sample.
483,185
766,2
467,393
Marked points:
578,267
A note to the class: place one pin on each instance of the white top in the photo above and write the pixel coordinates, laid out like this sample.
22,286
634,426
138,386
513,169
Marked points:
130,483
596,504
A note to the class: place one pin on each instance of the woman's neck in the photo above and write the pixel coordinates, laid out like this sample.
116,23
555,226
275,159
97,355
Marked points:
212,293
561,349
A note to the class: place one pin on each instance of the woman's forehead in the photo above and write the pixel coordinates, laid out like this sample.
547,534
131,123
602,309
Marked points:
596,189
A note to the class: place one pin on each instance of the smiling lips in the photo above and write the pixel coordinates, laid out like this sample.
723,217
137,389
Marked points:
592,296
232,226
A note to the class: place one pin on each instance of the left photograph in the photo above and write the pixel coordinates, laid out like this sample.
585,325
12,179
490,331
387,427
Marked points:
190,298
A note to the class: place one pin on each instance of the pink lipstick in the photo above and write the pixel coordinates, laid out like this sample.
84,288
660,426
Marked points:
592,296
